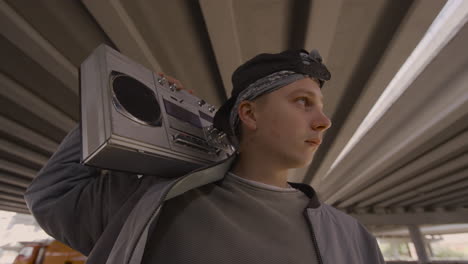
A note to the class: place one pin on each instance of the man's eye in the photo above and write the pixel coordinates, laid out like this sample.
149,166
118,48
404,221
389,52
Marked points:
305,99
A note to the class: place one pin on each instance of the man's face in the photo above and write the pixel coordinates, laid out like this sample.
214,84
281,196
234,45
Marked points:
288,117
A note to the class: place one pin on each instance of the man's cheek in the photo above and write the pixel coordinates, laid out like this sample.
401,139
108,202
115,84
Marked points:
277,129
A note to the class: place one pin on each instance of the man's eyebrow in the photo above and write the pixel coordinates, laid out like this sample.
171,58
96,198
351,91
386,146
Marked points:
312,94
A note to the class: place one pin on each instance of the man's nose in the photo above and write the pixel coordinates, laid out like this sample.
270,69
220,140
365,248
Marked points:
321,122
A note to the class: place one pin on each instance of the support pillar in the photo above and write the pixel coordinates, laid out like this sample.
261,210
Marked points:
418,241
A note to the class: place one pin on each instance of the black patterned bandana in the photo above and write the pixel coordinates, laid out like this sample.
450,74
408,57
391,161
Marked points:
263,74
262,86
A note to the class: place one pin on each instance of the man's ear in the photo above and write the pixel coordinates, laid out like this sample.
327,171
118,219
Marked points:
246,112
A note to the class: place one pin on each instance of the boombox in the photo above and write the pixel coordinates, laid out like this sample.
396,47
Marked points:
133,120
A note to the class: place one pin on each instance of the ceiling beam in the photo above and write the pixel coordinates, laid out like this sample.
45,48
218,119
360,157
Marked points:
34,104
411,170
13,198
23,153
423,218
402,231
17,169
413,182
221,26
426,191
27,135
119,26
430,108
413,27
444,198
8,188
19,32
14,180
21,205
455,202
14,209
318,36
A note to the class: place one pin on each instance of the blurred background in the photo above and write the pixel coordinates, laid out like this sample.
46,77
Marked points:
396,157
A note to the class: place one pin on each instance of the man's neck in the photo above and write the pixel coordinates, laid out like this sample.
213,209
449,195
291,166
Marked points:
260,170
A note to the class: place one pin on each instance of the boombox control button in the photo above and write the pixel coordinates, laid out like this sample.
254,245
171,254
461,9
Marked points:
172,87
162,80
211,109
201,102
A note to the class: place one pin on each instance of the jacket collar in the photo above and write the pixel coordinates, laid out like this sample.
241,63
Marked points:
217,171
309,191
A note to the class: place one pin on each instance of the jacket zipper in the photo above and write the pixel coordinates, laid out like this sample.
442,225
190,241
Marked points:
314,239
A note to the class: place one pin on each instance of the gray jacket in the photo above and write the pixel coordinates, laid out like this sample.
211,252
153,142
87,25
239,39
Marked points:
107,217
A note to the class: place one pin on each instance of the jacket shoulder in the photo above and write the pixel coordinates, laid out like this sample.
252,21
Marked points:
364,241
347,222
339,215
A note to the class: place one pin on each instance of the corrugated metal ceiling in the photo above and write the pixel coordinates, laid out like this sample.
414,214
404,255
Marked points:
410,165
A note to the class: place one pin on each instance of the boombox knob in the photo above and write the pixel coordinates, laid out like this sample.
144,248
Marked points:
172,87
201,102
162,80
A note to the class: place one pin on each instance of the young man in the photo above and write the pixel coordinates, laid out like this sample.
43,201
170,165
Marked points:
239,210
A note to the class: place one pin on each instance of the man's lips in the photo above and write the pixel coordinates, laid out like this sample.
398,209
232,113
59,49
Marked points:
313,142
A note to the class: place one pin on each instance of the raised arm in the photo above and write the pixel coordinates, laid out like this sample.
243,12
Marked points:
74,203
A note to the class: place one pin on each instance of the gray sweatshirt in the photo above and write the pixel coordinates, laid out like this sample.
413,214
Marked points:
233,221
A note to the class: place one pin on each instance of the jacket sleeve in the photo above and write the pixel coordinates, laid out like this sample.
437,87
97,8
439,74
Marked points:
370,250
73,202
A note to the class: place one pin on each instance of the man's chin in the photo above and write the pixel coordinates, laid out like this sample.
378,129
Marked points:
308,160
301,161
305,164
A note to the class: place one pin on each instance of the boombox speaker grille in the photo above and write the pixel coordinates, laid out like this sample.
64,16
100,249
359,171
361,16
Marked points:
135,100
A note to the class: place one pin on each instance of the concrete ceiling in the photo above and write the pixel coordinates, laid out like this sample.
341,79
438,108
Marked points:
408,166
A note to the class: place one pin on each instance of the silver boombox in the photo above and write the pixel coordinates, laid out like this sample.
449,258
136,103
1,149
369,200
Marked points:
133,120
